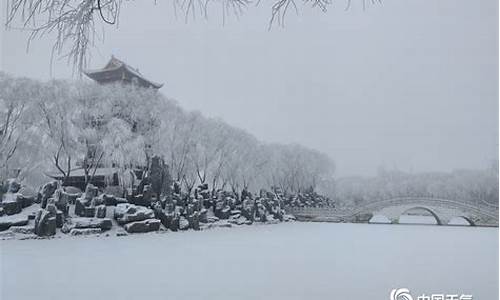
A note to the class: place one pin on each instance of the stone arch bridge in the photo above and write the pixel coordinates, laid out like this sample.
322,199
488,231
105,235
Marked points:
442,210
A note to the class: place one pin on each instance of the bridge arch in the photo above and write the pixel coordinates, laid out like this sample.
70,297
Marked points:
467,219
436,217
379,219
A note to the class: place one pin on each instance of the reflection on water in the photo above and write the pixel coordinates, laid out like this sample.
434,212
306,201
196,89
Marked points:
379,219
459,221
415,219
408,219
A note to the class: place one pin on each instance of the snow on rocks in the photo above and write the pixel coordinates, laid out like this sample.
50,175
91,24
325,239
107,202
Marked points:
91,205
177,211
45,223
126,213
101,211
12,202
45,192
11,205
26,229
85,231
183,223
84,223
143,226
8,222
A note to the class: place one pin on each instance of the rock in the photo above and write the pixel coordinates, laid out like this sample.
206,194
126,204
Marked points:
141,200
104,224
121,233
203,215
234,217
96,201
111,200
271,220
119,200
19,222
101,211
45,223
11,208
26,201
247,210
28,237
13,186
114,190
221,211
239,221
194,221
212,219
32,216
28,192
23,229
2,212
183,223
277,213
224,224
173,221
80,206
7,222
59,219
64,198
143,226
261,213
169,219
11,205
7,235
159,176
89,212
85,231
46,192
126,213
72,190
66,228
147,194
91,192
83,208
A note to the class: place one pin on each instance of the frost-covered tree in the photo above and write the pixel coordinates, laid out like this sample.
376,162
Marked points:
87,126
57,127
17,124
477,187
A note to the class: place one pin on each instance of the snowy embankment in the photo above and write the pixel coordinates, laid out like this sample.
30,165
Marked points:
23,228
55,211
284,261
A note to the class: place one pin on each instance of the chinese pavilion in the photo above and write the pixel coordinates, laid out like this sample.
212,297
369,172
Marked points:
118,71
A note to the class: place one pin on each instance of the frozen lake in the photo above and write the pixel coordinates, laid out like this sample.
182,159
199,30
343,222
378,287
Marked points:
284,261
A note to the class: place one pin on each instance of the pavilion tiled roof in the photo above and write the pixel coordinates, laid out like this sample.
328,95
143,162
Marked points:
116,71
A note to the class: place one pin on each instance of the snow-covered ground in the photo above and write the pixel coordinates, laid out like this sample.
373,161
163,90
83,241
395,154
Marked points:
283,261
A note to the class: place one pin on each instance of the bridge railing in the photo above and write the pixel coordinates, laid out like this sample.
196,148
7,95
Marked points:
329,211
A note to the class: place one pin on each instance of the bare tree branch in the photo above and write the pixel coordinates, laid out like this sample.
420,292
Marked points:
74,22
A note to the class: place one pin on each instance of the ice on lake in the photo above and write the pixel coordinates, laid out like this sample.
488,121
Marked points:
284,261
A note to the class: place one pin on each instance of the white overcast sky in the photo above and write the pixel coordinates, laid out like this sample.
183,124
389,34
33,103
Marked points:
408,84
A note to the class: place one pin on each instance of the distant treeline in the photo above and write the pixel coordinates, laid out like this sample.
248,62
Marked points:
59,126
471,186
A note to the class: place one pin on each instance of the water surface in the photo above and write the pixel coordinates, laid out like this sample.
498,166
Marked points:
284,261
